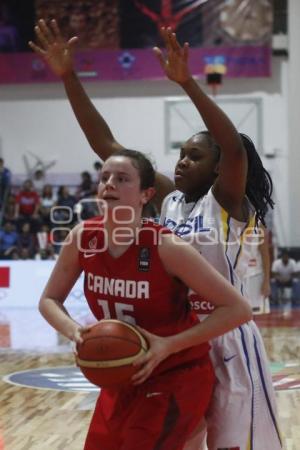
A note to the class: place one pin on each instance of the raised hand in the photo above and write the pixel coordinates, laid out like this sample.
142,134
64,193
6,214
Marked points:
57,52
175,62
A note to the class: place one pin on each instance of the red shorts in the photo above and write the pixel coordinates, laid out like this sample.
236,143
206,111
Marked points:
160,414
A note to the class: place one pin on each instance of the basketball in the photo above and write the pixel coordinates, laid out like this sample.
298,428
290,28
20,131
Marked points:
107,352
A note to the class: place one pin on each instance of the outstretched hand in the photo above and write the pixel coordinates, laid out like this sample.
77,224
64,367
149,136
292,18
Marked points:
57,52
175,62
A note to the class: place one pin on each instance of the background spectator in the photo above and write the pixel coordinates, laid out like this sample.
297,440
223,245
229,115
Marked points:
39,180
67,202
87,188
27,241
43,236
47,201
8,240
27,205
284,270
9,214
5,181
97,174
86,193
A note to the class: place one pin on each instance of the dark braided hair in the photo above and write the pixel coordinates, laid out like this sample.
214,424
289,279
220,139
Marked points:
259,187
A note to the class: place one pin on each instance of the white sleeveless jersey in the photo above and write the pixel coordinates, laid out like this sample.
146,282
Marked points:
223,241
242,413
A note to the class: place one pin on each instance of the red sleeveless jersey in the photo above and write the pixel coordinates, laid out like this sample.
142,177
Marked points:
136,288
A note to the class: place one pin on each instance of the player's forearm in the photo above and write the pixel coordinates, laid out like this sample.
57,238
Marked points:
91,122
222,320
57,316
265,259
216,121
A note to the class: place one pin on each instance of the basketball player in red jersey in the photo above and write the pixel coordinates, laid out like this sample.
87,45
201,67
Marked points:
141,276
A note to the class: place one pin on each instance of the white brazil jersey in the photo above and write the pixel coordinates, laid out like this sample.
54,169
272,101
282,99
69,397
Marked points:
242,413
222,240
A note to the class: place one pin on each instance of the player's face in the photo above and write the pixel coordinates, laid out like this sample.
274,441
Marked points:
120,184
195,170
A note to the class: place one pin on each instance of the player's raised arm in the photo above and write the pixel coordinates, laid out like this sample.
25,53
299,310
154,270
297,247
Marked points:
58,54
233,159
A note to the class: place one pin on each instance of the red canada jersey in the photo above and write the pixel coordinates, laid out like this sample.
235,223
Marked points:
136,288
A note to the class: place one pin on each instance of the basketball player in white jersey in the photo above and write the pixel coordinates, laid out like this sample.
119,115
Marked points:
222,189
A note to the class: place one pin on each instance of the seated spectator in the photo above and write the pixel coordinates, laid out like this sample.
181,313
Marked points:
86,192
5,180
58,237
97,174
10,210
39,180
27,205
284,270
66,202
27,241
8,240
43,237
47,201
87,188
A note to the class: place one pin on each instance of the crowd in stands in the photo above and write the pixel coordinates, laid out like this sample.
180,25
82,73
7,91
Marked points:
36,217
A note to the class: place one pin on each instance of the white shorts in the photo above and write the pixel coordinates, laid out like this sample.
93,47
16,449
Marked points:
242,413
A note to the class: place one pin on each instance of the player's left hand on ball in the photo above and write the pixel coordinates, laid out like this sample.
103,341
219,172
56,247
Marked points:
159,349
78,334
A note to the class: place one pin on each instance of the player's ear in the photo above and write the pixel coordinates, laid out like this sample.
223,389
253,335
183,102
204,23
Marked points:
147,194
217,168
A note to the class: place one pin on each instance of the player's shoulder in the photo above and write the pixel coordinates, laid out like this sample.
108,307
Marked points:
174,197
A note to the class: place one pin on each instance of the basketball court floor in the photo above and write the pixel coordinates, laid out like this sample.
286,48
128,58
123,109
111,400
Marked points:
46,403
